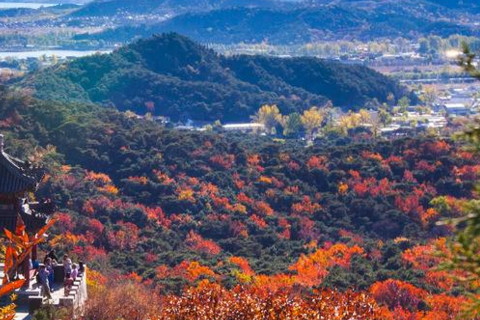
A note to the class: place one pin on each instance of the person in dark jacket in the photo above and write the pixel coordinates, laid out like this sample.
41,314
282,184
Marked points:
51,254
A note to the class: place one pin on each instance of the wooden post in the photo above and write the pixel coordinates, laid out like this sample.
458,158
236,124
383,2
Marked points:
34,253
25,271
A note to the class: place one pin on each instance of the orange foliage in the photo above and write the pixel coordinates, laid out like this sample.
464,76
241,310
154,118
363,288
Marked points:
123,299
371,156
312,269
243,264
444,307
342,188
188,270
306,206
97,177
211,301
109,188
428,215
139,180
253,160
197,243
208,189
263,208
19,245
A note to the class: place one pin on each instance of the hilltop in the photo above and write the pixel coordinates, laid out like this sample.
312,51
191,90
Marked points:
173,76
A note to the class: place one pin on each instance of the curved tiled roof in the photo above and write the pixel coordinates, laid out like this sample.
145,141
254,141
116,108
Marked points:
16,175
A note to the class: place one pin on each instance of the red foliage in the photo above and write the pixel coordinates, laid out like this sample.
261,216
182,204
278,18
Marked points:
197,243
436,148
317,162
408,177
410,204
125,237
243,198
212,301
423,165
395,293
224,161
259,221
65,222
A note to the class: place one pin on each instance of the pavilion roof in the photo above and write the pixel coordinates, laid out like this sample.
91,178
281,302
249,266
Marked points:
17,175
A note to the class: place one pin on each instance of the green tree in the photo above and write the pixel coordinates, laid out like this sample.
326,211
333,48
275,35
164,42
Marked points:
292,125
384,115
403,103
465,246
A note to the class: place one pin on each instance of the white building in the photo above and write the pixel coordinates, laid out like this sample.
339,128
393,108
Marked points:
244,127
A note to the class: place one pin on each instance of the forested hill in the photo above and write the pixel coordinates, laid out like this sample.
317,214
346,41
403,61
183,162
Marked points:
115,7
175,209
304,23
171,75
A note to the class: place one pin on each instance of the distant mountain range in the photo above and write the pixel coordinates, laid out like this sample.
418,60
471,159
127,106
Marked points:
115,7
291,23
112,7
172,76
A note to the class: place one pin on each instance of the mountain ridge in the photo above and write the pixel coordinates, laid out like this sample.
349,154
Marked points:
302,23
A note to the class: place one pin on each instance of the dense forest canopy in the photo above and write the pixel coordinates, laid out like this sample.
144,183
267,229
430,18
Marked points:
171,209
172,76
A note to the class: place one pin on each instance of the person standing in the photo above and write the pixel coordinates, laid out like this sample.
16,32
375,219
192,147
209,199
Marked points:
74,274
67,266
49,267
43,276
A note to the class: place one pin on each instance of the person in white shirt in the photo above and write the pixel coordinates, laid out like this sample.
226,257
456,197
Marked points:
74,274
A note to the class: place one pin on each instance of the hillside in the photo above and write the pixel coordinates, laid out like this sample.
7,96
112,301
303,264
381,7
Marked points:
172,76
362,20
220,214
116,7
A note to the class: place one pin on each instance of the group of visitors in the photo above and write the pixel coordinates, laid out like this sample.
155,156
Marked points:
46,274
